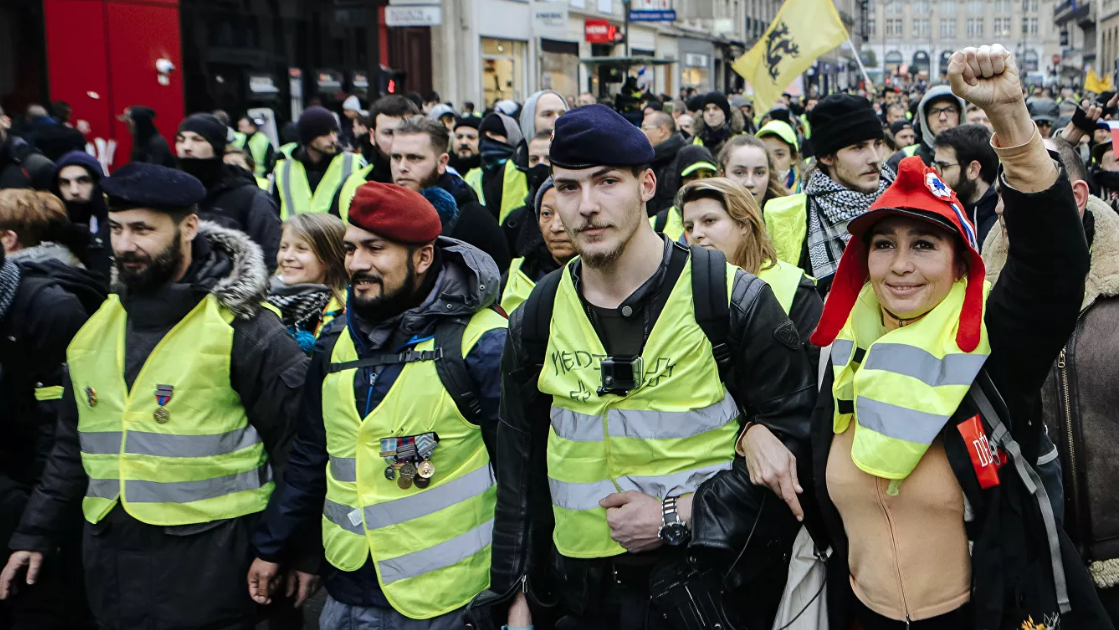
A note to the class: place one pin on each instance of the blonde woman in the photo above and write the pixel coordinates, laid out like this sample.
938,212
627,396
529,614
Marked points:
720,214
309,288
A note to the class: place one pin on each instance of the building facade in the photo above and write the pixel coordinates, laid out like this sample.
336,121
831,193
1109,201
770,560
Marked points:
914,39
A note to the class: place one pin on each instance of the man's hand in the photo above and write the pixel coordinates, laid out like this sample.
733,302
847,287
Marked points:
264,579
771,464
19,559
301,585
988,77
1092,115
635,520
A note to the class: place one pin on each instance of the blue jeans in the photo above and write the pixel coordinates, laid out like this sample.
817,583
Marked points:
339,616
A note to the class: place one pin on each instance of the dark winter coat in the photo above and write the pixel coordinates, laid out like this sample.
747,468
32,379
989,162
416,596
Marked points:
1079,400
21,166
475,225
191,576
467,282
93,214
236,201
1029,315
664,167
736,125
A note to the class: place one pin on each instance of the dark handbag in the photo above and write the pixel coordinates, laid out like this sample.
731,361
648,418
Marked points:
690,596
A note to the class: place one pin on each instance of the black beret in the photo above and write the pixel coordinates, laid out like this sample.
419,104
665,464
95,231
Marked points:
141,185
468,121
596,135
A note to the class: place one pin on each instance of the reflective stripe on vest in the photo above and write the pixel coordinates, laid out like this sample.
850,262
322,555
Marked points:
517,288
786,221
474,178
349,188
514,189
430,546
295,190
784,279
258,146
673,226
905,386
204,462
663,439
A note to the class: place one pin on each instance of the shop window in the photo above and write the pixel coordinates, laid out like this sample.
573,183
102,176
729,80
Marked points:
503,63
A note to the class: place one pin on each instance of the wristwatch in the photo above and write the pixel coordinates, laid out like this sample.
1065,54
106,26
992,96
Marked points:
673,531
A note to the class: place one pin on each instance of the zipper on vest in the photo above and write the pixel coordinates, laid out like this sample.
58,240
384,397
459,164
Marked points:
894,544
1070,436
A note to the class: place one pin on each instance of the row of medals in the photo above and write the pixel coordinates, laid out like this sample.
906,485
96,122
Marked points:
407,473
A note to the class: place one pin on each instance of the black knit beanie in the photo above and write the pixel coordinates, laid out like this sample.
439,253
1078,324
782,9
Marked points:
841,120
209,127
720,99
315,121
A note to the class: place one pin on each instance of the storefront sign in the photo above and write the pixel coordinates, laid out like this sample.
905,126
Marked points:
652,16
262,84
329,80
600,32
550,15
695,60
418,15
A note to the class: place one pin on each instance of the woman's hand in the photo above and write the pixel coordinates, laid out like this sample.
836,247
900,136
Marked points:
988,77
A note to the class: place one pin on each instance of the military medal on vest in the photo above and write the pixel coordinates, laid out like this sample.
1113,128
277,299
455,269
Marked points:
409,459
163,395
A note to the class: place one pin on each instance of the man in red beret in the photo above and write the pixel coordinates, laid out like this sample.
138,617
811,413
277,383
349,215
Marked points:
392,457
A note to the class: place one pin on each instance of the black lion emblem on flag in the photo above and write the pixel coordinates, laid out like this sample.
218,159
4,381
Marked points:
778,44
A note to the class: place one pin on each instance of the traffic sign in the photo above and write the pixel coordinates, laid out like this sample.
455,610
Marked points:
652,16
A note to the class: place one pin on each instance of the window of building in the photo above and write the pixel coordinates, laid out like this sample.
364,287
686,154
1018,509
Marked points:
920,7
871,27
1031,61
893,7
948,7
502,69
1033,26
975,27
1033,6
948,27
893,27
974,6
893,61
920,27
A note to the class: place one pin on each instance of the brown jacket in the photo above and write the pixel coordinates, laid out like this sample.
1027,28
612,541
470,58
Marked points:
1080,399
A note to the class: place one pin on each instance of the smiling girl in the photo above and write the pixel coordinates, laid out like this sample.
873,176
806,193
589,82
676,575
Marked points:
309,288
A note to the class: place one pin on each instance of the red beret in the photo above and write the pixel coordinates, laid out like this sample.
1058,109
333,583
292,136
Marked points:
394,213
917,192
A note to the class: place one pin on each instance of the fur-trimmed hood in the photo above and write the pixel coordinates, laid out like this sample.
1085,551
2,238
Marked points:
737,124
1103,277
47,251
234,271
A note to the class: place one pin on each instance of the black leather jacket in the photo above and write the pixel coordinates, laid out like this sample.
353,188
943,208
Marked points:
776,385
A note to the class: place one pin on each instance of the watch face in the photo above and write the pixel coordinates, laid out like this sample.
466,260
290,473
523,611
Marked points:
674,534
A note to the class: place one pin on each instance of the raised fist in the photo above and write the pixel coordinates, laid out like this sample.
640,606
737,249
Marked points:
986,76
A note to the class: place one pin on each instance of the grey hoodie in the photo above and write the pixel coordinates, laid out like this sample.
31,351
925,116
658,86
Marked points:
939,91
528,113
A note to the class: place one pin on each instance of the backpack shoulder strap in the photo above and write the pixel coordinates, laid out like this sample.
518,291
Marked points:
451,368
537,317
712,310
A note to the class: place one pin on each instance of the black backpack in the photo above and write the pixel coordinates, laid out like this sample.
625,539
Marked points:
709,293
447,355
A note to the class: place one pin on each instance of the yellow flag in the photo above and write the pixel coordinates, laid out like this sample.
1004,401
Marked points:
1093,83
802,31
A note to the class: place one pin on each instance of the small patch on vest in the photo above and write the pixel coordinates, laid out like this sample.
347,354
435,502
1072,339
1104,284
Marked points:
355,517
787,334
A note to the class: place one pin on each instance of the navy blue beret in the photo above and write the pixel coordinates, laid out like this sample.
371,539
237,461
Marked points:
140,185
595,135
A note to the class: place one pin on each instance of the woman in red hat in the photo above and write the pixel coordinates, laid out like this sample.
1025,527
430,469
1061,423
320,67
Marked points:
925,436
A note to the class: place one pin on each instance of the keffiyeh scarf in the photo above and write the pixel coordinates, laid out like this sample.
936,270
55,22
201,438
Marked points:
832,207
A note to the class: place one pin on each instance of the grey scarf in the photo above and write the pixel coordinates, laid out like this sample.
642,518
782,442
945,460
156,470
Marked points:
9,283
832,207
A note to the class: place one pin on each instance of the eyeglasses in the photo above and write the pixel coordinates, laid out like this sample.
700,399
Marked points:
937,112
940,166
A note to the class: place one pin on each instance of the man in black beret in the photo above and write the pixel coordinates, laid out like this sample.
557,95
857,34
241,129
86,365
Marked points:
595,470
809,229
233,198
179,406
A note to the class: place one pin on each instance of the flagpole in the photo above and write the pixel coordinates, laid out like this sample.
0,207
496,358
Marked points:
869,83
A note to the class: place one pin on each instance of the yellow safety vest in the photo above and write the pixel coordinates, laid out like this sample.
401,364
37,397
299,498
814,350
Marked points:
517,287
289,148
431,546
514,189
786,221
264,183
784,279
258,147
663,439
673,227
900,387
295,191
239,139
349,188
194,459
474,178
912,149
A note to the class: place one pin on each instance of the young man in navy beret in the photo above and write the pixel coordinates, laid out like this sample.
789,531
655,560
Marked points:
597,471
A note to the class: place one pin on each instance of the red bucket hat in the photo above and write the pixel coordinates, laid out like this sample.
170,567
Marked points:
917,192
